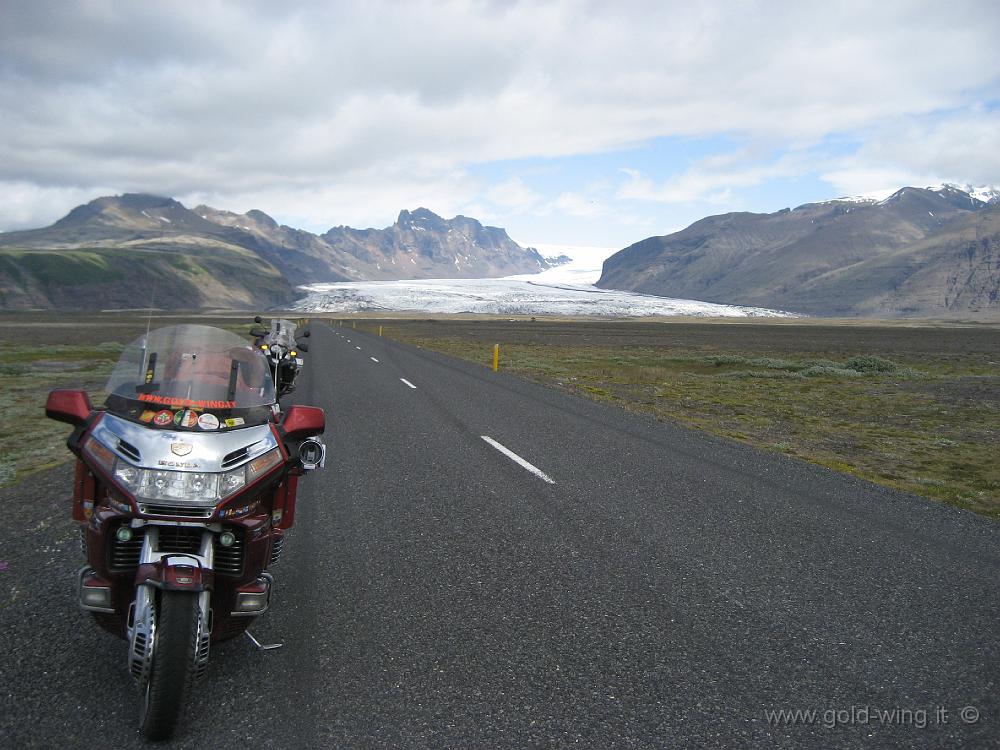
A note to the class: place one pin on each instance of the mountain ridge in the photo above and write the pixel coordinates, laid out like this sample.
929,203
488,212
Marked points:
917,253
102,252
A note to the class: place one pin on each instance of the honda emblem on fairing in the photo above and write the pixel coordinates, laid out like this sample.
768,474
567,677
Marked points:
181,449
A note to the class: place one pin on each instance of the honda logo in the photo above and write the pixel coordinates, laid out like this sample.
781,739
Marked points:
181,449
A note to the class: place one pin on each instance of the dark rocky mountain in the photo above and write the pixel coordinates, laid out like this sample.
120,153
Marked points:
135,250
302,257
919,253
422,245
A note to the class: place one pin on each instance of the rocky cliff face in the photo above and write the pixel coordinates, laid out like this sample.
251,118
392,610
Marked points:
422,245
301,256
920,252
122,251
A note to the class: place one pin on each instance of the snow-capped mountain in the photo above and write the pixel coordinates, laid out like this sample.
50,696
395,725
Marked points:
919,252
983,193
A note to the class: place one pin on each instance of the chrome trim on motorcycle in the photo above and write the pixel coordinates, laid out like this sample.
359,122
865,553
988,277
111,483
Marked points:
142,633
208,453
142,613
151,552
172,510
276,547
203,638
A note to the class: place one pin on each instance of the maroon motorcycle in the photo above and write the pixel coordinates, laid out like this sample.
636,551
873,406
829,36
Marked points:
185,486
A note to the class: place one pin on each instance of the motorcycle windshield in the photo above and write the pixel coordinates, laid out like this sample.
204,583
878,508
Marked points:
282,333
191,371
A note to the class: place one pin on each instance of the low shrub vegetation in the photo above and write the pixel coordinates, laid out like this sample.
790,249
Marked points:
911,415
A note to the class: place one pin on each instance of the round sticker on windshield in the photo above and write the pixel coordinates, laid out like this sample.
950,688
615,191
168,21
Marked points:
208,422
186,418
163,418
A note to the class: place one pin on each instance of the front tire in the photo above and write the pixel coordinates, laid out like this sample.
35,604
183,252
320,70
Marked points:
165,693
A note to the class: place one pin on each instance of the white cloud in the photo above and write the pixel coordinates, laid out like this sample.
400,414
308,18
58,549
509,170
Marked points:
26,204
578,204
514,194
711,179
345,112
372,199
961,148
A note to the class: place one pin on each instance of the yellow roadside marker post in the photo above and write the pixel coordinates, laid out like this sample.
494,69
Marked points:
496,357
380,330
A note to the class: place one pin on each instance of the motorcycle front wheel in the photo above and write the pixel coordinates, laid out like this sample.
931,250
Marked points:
165,692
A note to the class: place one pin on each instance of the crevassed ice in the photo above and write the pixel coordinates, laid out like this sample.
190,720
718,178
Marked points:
566,290
508,296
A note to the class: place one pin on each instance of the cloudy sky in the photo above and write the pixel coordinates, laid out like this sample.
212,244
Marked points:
584,123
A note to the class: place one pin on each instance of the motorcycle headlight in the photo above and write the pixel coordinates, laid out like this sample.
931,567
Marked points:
196,487
128,475
178,485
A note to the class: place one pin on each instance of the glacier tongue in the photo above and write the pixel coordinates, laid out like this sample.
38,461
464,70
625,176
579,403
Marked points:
508,296
566,290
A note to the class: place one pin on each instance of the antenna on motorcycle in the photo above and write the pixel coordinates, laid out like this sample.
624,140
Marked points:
149,321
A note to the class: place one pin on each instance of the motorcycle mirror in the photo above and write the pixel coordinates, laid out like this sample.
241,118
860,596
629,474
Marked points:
65,405
303,421
258,332
306,334
257,319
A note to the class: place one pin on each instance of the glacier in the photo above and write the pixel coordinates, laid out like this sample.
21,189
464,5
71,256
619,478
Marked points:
566,290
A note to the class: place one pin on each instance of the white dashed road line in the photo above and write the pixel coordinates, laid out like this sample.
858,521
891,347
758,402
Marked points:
518,460
407,382
373,359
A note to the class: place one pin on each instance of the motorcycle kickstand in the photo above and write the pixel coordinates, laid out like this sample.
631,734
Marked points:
262,646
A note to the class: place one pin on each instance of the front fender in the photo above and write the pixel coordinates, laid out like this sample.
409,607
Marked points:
176,572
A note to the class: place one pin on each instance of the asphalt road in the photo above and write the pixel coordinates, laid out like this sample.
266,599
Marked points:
634,584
